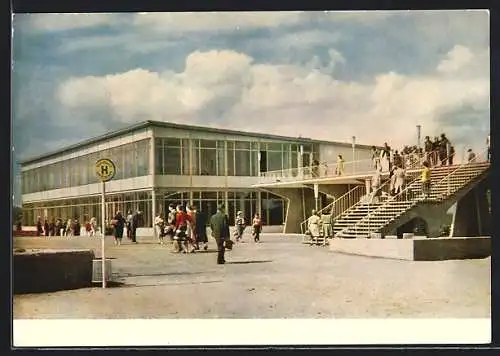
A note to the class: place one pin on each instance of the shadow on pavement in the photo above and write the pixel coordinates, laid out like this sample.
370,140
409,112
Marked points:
245,262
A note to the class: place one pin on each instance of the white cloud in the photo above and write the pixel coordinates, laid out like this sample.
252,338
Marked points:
456,59
62,22
228,89
217,21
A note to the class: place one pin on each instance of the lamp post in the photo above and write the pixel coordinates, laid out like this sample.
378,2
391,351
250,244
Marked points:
419,127
353,154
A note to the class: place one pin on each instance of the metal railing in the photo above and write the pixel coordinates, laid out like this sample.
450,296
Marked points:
323,170
406,195
340,204
330,169
447,179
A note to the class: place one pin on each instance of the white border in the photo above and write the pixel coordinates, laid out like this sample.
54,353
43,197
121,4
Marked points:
234,332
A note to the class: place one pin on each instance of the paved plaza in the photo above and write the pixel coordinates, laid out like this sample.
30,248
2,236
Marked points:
278,278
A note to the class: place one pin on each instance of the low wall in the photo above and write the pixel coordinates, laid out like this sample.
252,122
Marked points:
416,249
51,270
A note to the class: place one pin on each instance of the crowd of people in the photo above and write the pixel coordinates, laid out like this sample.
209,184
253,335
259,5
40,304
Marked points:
186,229
73,227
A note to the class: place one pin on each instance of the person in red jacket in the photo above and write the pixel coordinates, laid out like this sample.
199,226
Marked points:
182,234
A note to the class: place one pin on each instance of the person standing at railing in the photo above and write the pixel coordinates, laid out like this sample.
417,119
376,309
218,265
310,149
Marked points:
325,169
398,160
385,156
435,151
471,156
443,149
315,168
426,180
451,155
399,179
488,147
428,149
339,170
375,157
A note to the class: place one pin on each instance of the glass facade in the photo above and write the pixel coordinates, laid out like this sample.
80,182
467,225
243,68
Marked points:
131,160
231,158
172,156
87,207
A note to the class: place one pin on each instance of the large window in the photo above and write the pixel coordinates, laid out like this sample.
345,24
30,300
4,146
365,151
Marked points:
208,158
131,160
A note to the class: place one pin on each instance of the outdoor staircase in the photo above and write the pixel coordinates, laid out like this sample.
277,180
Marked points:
366,219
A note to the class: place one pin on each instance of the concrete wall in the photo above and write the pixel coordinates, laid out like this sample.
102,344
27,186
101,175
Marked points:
300,202
470,201
472,217
416,249
51,270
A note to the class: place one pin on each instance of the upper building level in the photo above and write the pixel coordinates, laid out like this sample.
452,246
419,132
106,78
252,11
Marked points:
151,154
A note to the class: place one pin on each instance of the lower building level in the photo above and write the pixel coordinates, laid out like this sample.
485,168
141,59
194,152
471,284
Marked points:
271,207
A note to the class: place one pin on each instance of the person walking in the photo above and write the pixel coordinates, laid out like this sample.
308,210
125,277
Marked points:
219,224
256,227
93,226
426,180
159,227
46,227
313,225
128,224
201,229
118,223
69,228
170,223
191,212
240,225
134,225
399,180
39,227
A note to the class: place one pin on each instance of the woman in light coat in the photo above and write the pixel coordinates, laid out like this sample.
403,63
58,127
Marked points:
313,224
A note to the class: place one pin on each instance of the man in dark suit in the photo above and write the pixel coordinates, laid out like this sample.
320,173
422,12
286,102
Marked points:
219,224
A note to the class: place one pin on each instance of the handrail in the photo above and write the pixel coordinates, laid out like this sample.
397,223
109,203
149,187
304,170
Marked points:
329,165
382,186
343,196
391,199
461,165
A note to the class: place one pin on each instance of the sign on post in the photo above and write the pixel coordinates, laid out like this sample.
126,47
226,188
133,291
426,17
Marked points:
105,170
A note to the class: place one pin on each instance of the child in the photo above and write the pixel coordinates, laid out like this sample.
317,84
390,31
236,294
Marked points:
240,225
256,227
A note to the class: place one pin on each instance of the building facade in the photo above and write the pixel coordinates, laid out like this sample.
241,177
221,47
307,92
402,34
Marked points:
158,163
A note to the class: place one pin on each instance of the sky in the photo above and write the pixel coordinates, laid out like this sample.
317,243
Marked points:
324,75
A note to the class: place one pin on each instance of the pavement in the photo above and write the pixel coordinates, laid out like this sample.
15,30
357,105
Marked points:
277,278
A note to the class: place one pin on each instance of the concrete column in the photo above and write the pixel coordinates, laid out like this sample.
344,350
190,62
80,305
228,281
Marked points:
259,203
368,185
153,208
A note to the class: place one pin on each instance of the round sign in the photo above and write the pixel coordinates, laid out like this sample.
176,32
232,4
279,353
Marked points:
105,169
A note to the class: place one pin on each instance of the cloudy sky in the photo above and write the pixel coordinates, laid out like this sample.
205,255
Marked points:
325,75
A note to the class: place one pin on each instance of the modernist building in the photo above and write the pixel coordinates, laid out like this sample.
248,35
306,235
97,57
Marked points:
159,162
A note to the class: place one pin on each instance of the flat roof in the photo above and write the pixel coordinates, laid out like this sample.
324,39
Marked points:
151,123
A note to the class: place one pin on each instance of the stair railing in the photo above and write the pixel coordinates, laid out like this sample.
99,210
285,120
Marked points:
343,202
448,177
407,191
